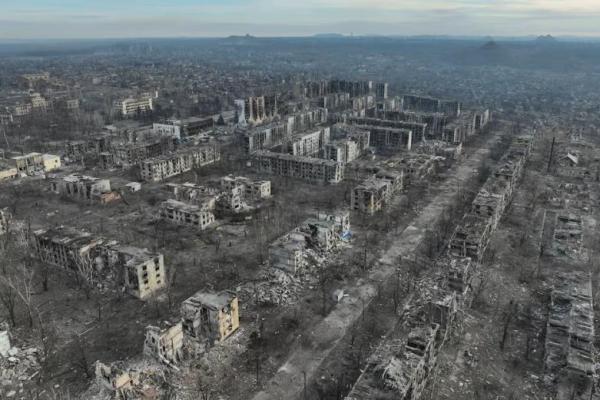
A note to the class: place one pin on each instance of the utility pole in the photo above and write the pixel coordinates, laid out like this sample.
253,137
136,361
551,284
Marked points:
551,154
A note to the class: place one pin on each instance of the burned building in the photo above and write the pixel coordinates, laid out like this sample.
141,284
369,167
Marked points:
399,368
210,318
139,271
164,345
5,219
471,237
313,170
371,196
202,196
568,235
160,168
254,190
392,132
570,355
290,252
85,188
65,247
186,214
429,104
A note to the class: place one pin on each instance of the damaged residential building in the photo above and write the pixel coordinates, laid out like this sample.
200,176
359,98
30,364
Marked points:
85,188
209,318
65,247
314,170
35,163
139,271
278,134
160,168
127,383
323,233
399,368
202,196
371,196
417,130
431,105
186,214
308,144
164,345
568,235
252,189
5,219
471,237
570,355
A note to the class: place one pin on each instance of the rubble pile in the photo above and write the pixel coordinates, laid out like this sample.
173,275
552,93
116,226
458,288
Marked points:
17,367
280,287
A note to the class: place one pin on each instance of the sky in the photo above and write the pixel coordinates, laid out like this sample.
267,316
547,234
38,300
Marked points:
40,19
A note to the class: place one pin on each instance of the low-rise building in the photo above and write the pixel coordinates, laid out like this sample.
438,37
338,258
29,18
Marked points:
186,214
28,164
210,317
7,171
85,188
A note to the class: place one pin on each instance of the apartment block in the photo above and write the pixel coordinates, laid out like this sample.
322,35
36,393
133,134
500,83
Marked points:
133,106
166,166
186,214
210,317
65,247
143,272
277,134
309,144
371,196
85,188
313,170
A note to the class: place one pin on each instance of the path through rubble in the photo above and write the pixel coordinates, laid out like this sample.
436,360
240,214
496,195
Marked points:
288,382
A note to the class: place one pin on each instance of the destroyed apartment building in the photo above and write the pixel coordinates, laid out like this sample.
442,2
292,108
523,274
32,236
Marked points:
568,235
5,219
138,271
34,163
209,318
85,188
163,167
570,355
186,214
164,345
372,195
401,365
291,252
252,189
125,382
313,170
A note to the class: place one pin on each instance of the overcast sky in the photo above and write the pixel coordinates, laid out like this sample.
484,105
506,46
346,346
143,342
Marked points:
26,19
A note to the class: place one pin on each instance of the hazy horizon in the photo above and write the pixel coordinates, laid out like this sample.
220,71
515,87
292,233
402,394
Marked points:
71,19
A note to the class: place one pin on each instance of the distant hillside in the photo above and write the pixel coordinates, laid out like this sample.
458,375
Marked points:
328,35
